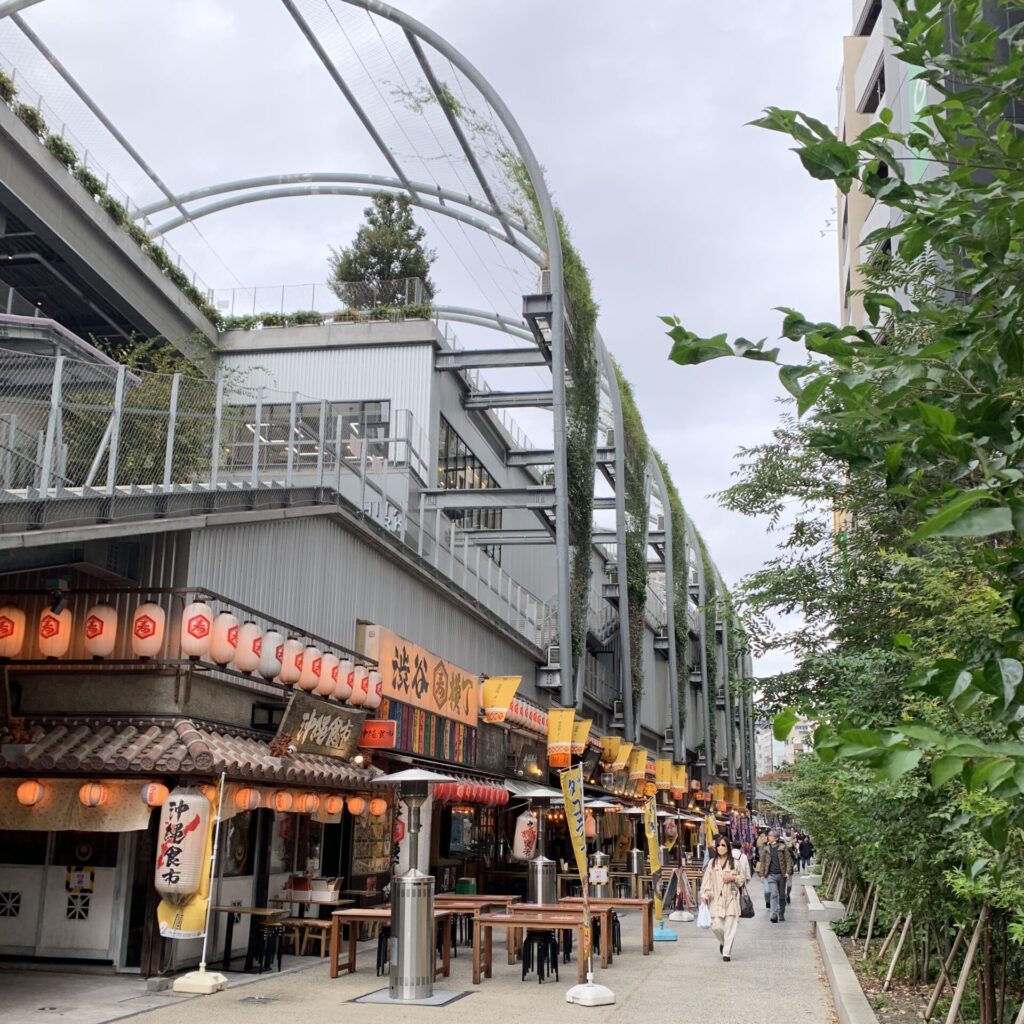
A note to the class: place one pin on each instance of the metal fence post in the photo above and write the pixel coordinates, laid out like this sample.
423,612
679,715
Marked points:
322,438
451,552
291,441
337,449
115,431
51,427
257,437
423,524
362,475
12,439
172,424
218,412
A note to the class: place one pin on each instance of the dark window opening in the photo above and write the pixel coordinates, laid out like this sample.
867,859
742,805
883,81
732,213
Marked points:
458,469
870,18
875,92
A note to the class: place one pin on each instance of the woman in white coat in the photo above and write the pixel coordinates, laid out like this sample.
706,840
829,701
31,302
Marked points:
720,889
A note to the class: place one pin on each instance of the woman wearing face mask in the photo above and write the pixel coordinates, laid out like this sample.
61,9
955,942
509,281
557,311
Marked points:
720,889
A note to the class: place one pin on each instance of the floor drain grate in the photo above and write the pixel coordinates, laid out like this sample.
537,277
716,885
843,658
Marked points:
260,1000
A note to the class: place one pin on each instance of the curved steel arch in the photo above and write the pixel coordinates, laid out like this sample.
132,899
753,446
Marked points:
291,191
332,177
481,318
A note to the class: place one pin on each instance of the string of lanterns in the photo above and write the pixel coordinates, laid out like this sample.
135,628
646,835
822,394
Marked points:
203,633
527,716
469,793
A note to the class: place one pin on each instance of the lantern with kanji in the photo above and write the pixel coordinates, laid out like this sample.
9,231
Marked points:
12,631
356,805
224,638
100,632
250,647
148,630
346,677
291,660
54,633
374,693
307,803
248,799
154,794
328,677
281,800
333,804
196,627
309,674
181,844
378,806
361,686
271,649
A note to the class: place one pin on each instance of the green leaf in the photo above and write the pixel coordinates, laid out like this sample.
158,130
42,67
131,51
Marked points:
811,394
789,377
893,458
949,513
978,866
1003,677
692,350
981,522
945,768
995,832
903,641
935,417
898,761
784,722
924,733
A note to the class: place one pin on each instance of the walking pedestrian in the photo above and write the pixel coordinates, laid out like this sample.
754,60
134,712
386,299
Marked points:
720,889
775,866
806,852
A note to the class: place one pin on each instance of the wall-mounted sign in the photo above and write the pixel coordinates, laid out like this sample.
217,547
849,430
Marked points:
378,735
420,732
311,726
418,677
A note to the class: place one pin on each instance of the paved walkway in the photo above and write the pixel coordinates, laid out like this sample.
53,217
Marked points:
774,972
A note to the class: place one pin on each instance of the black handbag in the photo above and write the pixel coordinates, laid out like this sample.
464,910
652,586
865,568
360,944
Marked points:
746,903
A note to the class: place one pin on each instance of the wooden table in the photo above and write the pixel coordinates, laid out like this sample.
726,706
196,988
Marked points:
484,925
303,903
645,906
484,899
604,913
265,912
381,915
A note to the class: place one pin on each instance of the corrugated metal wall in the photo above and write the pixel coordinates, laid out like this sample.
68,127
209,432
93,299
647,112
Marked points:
654,706
314,573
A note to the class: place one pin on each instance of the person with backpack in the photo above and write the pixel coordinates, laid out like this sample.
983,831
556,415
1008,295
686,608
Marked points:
775,866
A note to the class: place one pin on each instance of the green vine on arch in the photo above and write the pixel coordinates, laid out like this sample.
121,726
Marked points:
710,613
636,450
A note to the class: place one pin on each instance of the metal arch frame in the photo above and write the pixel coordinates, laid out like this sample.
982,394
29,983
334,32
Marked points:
702,628
482,318
670,606
417,29
730,730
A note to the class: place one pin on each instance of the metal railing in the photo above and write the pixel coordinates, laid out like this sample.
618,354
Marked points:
73,430
347,301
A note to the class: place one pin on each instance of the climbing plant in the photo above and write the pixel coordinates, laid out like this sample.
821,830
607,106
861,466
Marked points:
636,452
710,613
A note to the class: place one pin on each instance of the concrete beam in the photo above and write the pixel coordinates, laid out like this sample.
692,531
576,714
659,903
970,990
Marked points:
530,457
508,400
534,497
489,358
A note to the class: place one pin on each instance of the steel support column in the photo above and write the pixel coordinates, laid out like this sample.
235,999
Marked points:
709,754
730,731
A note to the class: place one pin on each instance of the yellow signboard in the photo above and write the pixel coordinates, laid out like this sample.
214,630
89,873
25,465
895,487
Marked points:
572,794
622,756
498,694
580,735
413,675
560,737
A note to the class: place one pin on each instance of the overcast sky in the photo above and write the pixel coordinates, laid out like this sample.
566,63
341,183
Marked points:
636,111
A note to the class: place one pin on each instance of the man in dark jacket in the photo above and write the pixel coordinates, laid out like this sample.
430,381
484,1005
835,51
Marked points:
775,865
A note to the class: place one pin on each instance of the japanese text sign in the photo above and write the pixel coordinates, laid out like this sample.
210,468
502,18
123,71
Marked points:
572,794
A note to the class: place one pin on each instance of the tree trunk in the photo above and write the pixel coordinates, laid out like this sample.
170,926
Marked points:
965,971
863,910
896,955
1002,973
871,924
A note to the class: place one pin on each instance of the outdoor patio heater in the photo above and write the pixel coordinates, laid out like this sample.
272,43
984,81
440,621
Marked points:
411,976
541,885
635,859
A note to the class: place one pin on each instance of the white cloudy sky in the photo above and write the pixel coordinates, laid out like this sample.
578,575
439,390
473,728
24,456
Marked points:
636,111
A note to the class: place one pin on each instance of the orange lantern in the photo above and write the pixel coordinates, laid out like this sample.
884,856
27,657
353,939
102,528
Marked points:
93,794
309,674
154,794
356,805
281,800
345,681
360,687
31,792
375,691
224,638
291,660
333,804
589,825
307,803
378,806
247,798
327,680
209,790
100,630
723,806
250,647
12,631
54,633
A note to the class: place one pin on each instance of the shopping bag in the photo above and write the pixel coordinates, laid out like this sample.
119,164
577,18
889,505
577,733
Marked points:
746,903
704,916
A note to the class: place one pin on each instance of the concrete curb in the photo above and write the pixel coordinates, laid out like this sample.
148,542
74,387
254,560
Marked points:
852,1006
819,911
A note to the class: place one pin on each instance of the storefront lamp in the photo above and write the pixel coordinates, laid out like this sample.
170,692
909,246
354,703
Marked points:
291,661
309,674
31,792
196,627
271,649
281,800
333,804
12,631
360,687
100,632
356,805
93,794
378,806
224,638
374,694
154,794
346,677
148,630
250,647
307,803
248,799
54,633
328,678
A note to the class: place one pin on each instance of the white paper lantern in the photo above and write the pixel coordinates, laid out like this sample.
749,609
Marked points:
100,630
346,679
328,676
181,843
374,694
12,631
196,628
148,624
250,645
361,687
270,655
54,633
291,660
224,638
312,662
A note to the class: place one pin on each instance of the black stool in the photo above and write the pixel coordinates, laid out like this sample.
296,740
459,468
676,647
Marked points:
383,948
269,944
542,946
616,934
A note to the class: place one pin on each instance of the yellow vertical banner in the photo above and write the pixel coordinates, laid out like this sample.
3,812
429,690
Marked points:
498,692
654,853
678,781
637,765
580,735
622,755
560,737
575,823
663,774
